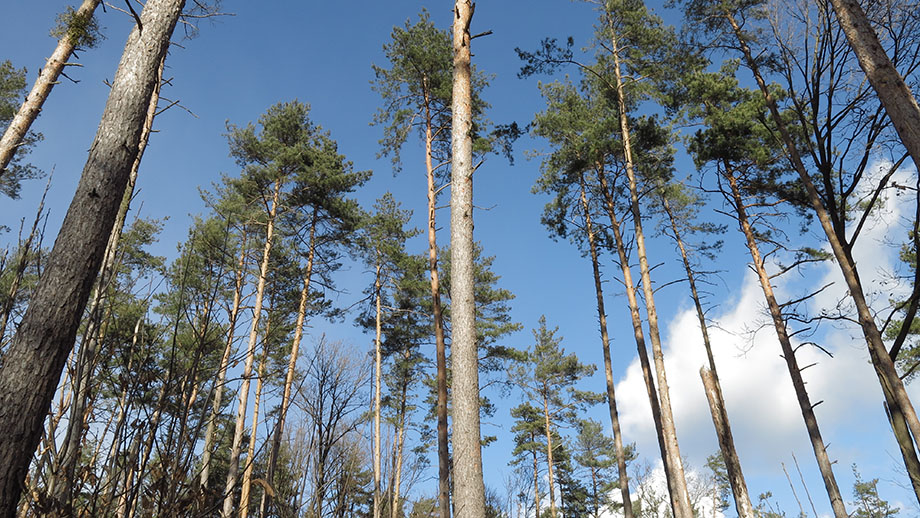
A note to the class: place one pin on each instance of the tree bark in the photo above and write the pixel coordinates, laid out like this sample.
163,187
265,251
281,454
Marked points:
377,368
233,469
549,458
713,387
469,490
253,434
779,324
608,366
895,96
33,363
636,320
47,78
437,316
892,387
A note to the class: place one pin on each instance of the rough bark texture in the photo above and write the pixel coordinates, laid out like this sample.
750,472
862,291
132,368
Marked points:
32,365
608,366
896,97
892,387
792,365
47,78
469,491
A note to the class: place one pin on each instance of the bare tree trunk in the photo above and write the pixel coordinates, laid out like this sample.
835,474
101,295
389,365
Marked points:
713,387
233,469
608,367
400,447
62,483
278,432
636,319
253,434
469,490
32,365
895,394
222,370
536,481
440,347
779,324
549,459
680,497
47,78
377,374
896,97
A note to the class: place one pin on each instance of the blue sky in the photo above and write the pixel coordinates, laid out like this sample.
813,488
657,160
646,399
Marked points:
321,53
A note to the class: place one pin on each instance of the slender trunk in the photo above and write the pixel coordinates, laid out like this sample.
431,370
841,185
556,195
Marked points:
278,432
636,319
32,364
713,387
680,497
726,443
47,78
440,347
377,369
400,444
222,370
893,388
234,467
253,434
893,92
549,457
779,324
536,480
608,366
469,490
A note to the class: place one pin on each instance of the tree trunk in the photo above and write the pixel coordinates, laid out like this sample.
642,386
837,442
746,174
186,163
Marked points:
32,365
895,96
278,433
779,324
469,490
549,458
222,370
636,319
233,469
608,366
536,481
440,347
400,445
251,452
377,374
713,387
727,444
680,497
47,78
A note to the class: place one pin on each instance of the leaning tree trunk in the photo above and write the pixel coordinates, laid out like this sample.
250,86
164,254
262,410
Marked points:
636,320
62,483
469,490
892,387
608,366
680,497
440,347
893,92
47,78
246,489
234,468
713,387
32,365
278,432
779,324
